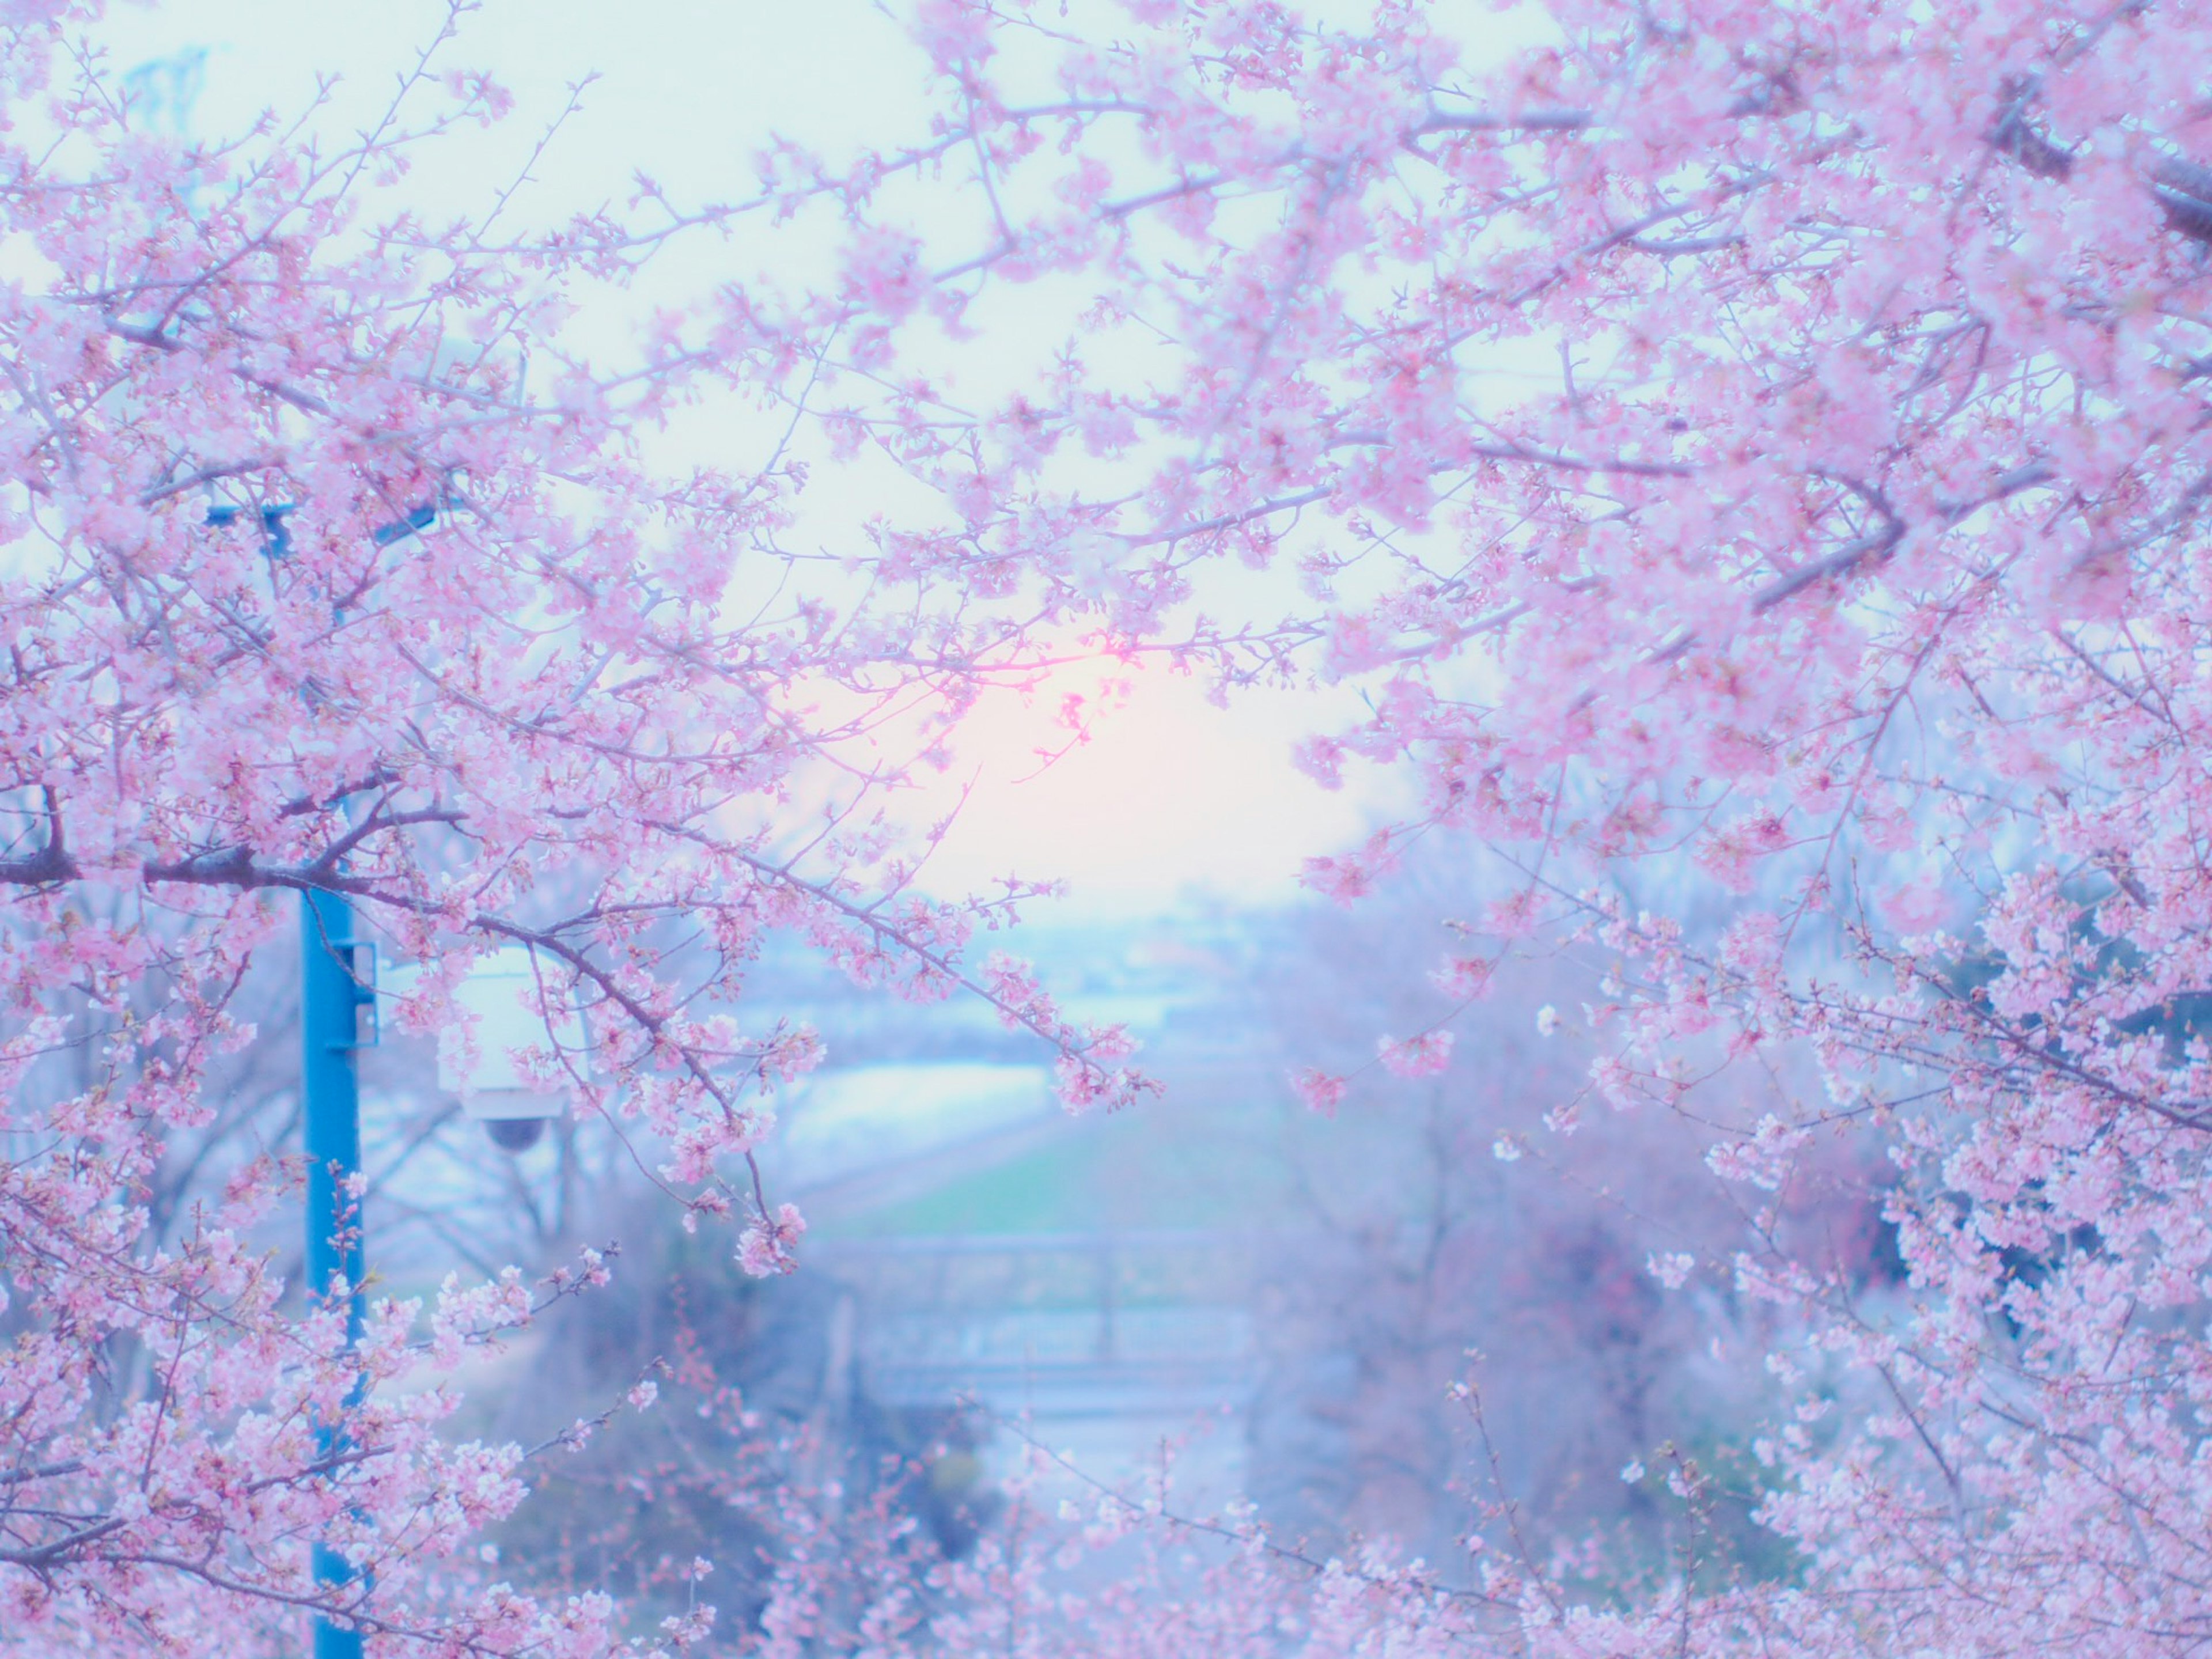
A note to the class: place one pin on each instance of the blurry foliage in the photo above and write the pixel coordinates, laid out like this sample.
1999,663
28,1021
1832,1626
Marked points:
762,1437
1421,1259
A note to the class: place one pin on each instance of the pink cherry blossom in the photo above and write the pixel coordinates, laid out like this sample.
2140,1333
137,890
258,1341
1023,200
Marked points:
1749,462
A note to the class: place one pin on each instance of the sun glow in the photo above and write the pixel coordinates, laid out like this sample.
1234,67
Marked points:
1133,788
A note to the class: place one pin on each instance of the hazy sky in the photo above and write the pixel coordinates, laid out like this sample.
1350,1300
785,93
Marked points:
1171,792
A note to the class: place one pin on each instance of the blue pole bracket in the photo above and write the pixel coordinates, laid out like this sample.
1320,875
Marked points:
274,536
359,958
278,540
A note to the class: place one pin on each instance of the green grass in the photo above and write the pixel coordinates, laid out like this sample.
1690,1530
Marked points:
1055,1189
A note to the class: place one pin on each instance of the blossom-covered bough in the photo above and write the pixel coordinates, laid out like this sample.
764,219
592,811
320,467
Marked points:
1744,450
331,566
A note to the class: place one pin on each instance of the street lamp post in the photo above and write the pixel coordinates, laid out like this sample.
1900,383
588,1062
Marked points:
338,980
333,992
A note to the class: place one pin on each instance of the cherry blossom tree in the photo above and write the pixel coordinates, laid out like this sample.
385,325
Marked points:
1751,456
335,566
1753,446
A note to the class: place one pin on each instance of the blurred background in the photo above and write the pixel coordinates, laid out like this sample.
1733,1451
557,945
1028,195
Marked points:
1481,1304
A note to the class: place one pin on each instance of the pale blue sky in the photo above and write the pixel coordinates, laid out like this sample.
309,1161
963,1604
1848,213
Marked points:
1172,792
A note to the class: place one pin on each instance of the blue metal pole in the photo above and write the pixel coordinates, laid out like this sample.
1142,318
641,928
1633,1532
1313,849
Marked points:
331,995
